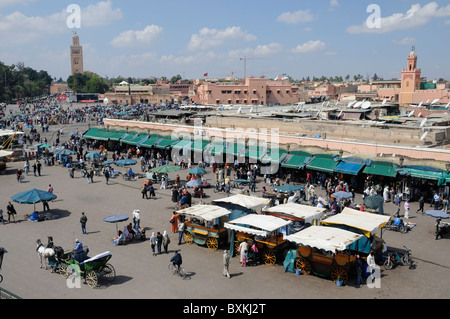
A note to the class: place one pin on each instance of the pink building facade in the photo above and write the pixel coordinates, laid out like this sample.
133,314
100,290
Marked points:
254,92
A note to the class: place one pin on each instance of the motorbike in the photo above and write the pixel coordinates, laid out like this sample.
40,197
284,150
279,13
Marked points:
400,228
220,187
392,260
407,258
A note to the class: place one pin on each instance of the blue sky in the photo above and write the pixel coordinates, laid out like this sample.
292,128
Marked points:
163,38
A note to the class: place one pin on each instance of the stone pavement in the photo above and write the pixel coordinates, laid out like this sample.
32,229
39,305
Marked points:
141,275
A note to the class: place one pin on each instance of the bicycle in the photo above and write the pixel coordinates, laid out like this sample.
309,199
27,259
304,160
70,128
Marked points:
177,270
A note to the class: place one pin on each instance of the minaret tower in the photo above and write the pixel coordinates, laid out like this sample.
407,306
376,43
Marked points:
76,55
410,79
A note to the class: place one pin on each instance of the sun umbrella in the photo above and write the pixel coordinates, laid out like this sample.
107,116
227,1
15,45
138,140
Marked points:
115,219
126,162
64,152
194,183
197,171
93,155
288,188
45,146
342,195
166,169
108,162
33,196
437,214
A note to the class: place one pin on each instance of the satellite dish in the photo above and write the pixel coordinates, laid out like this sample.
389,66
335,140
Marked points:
434,101
420,104
357,105
350,104
424,135
365,105
448,104
340,113
419,114
384,102
251,109
423,122
239,110
411,113
428,101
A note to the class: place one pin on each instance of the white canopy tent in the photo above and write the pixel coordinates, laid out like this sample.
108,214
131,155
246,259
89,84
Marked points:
369,223
327,238
305,212
246,201
255,224
5,153
205,212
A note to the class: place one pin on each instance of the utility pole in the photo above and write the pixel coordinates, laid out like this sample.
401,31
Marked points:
245,65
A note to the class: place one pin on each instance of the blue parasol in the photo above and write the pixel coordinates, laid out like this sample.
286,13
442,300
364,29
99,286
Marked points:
197,171
116,219
288,188
33,196
342,195
437,214
126,162
194,183
93,155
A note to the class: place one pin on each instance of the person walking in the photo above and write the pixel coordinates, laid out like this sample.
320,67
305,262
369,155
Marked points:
27,167
1,217
45,205
406,206
163,182
180,232
136,219
359,270
226,263
159,241
18,175
91,175
153,241
34,168
174,220
11,212
50,188
144,191
166,242
106,174
243,249
39,166
421,205
83,221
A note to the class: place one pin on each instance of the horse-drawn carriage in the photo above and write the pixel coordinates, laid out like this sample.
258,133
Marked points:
324,251
264,231
204,225
91,269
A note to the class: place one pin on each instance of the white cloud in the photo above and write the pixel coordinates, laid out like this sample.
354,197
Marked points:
334,3
310,46
7,3
211,38
415,17
17,28
405,41
296,17
261,50
131,38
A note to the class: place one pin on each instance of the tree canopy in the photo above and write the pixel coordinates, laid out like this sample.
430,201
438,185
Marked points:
18,82
87,82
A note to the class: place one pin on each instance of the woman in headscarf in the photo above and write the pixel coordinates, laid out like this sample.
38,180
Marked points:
153,241
174,221
166,242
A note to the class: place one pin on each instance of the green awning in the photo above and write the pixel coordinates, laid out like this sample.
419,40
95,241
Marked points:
117,135
274,156
199,145
150,142
104,134
323,162
215,148
350,168
181,144
296,161
381,169
425,172
235,149
255,152
165,143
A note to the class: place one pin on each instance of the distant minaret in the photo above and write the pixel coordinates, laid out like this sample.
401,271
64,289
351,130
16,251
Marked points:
76,55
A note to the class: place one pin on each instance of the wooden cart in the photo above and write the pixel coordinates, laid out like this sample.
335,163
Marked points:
265,231
324,251
204,225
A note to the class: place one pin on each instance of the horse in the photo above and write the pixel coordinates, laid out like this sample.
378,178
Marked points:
44,253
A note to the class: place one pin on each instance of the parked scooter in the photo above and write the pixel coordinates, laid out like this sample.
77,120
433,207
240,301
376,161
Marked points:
407,258
392,260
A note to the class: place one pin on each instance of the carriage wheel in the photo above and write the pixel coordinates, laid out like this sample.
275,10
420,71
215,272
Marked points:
304,265
337,272
108,272
212,243
91,278
63,271
269,257
188,239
